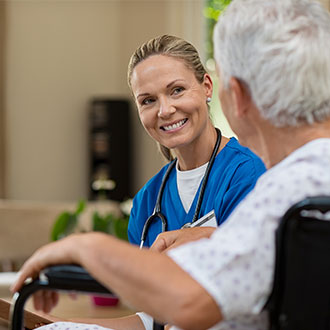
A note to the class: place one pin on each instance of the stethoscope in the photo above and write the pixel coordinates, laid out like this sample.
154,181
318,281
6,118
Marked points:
157,210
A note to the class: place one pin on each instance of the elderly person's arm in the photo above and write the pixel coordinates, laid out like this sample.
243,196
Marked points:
174,238
150,281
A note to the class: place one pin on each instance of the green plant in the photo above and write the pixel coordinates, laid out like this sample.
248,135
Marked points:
212,11
68,222
111,224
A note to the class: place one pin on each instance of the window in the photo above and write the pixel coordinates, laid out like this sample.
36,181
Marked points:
212,10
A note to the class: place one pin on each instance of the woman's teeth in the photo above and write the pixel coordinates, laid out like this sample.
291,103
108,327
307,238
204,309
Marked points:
174,126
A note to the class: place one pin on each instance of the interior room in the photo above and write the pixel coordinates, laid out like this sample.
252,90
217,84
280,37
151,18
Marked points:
57,60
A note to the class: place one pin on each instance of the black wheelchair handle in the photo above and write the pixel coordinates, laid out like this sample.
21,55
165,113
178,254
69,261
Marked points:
60,277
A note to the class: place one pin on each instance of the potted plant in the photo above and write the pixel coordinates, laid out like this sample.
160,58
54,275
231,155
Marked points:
110,223
67,222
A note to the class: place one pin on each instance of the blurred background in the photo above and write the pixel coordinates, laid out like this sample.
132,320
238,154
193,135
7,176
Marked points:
56,58
63,64
69,130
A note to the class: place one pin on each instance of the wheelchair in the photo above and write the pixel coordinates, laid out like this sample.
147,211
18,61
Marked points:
300,299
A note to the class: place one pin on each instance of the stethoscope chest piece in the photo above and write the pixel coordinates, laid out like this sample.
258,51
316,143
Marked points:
155,215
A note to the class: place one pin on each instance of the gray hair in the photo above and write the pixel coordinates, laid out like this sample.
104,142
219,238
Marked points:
281,50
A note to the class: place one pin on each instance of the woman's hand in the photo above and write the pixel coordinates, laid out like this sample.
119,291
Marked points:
171,239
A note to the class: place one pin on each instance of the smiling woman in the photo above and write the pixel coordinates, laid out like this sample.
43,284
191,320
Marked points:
172,91
172,108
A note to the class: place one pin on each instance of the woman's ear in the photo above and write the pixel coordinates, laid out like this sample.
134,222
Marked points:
208,84
240,97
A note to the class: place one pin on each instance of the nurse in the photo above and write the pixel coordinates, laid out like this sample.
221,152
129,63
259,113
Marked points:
172,90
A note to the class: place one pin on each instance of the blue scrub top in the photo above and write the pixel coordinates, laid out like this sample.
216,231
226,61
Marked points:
233,175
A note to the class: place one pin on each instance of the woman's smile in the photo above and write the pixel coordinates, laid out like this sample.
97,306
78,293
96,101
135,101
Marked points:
174,126
171,102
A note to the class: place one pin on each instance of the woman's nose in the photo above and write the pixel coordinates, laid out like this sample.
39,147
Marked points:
166,109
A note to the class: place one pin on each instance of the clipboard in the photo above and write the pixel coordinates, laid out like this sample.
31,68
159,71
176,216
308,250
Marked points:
30,319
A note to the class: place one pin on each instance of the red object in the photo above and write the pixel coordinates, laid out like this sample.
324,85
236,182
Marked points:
105,301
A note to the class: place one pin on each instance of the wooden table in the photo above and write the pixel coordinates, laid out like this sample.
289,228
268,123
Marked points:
81,307
3,325
84,307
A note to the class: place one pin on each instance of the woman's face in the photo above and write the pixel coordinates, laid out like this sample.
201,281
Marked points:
171,102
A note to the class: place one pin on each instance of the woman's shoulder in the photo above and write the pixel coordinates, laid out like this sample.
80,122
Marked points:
234,160
235,151
234,146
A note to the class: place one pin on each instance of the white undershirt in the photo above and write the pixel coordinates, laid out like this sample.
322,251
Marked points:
188,183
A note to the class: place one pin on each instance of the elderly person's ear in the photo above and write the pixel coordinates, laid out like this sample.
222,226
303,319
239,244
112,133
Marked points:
240,96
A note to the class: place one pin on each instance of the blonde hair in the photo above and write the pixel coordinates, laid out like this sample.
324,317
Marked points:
169,46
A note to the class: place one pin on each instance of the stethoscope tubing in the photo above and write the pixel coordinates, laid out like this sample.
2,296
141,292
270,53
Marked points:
206,176
157,210
157,213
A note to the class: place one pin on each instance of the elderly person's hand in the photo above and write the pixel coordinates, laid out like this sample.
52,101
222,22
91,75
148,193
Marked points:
59,252
171,239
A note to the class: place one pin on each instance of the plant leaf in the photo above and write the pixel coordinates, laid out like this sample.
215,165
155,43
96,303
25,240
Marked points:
80,206
120,228
64,225
100,223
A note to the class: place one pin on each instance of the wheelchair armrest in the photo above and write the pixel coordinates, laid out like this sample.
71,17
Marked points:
78,279
60,277
72,278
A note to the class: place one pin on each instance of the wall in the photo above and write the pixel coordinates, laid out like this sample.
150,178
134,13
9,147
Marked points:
2,106
326,3
59,54
144,20
56,55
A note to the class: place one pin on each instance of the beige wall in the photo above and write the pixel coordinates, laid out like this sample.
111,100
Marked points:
59,54
326,3
2,108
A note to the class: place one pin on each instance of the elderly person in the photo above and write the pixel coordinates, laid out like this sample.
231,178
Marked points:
273,61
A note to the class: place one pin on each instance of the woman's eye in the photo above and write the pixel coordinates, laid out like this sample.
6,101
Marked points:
147,101
178,90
